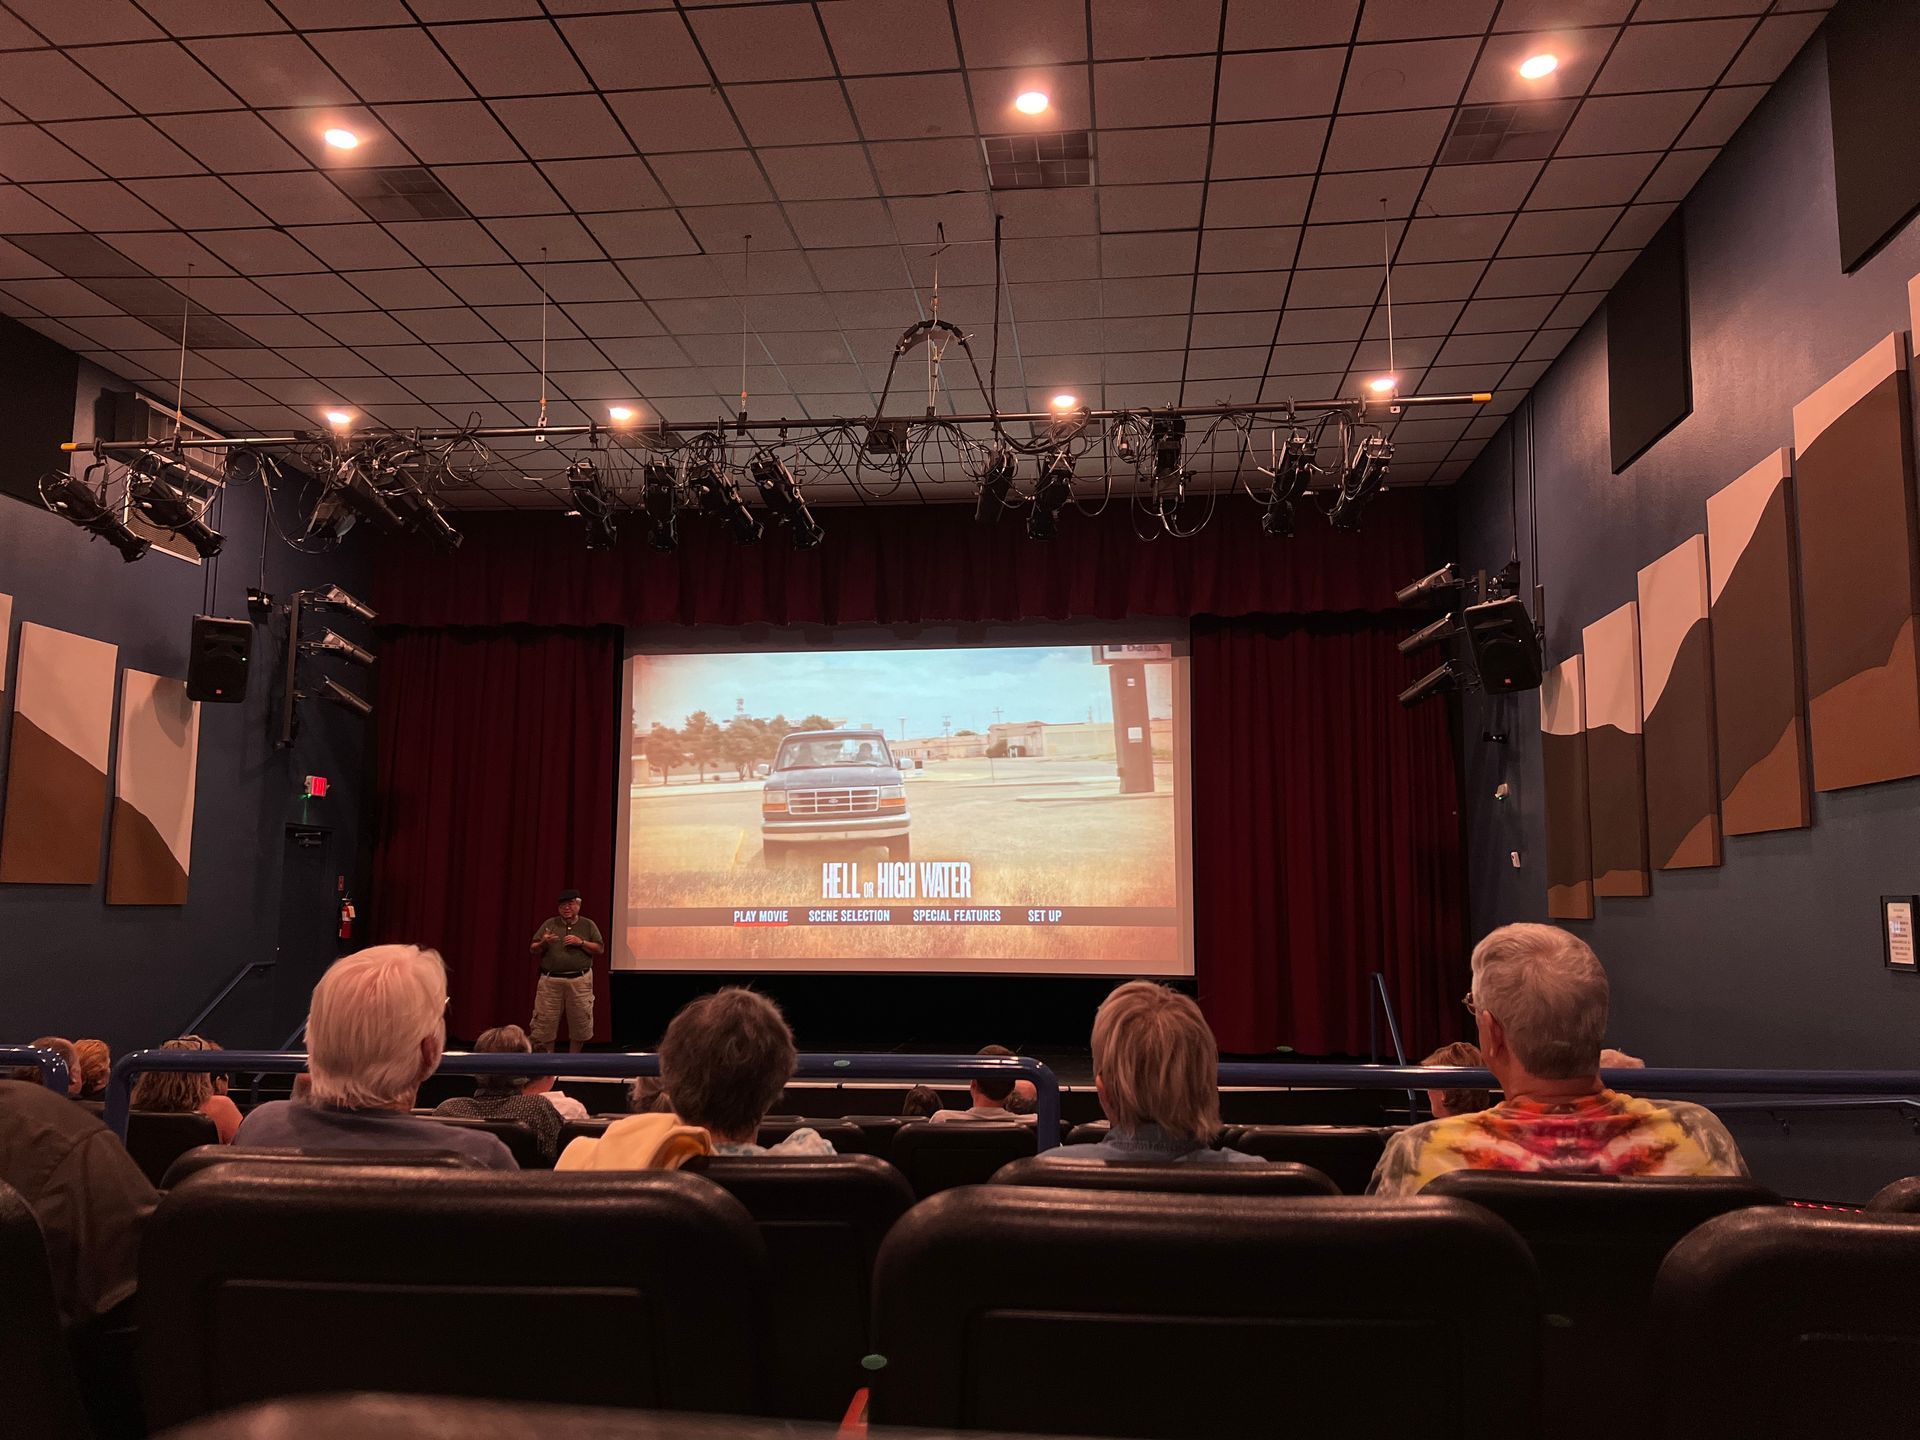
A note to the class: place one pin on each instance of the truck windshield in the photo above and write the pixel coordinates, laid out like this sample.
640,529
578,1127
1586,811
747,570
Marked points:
834,750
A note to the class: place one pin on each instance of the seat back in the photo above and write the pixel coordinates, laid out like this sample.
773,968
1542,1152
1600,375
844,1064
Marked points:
157,1138
1346,1154
1066,1173
1902,1197
877,1132
39,1396
511,1133
935,1156
1792,1323
845,1139
454,1283
203,1156
822,1221
1013,1307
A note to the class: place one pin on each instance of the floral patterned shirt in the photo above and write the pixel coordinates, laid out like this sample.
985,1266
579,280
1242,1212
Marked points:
1605,1133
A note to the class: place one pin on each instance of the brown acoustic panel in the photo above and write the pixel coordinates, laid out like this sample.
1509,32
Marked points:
1563,761
151,842
1676,693
1860,571
1616,765
1755,615
57,769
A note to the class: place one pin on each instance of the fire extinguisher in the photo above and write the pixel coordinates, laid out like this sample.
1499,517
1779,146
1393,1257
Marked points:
347,911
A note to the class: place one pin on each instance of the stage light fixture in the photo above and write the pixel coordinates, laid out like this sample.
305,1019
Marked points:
1436,681
1064,401
620,414
1538,67
334,598
593,503
419,511
341,138
1292,474
339,419
996,484
154,484
718,495
1382,384
332,642
1436,588
1364,478
331,689
1032,102
780,493
1169,436
351,495
660,499
1445,628
1050,496
80,503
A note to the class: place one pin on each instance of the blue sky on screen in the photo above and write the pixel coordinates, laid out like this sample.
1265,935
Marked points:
1057,684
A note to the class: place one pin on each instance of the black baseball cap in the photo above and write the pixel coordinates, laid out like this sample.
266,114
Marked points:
566,895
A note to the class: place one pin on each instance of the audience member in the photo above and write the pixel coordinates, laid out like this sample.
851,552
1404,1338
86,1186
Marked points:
564,1105
509,1097
64,1049
1156,1069
87,1193
1620,1060
647,1095
1540,998
375,1031
922,1102
725,1059
1025,1099
990,1094
1457,1102
96,1068
181,1092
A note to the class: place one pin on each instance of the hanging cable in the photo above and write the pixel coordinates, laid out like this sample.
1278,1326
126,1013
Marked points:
746,289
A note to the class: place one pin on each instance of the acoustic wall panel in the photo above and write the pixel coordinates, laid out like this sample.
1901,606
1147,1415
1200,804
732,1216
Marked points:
1676,692
1755,615
1616,765
1875,127
1649,354
1860,571
151,838
1563,761
57,768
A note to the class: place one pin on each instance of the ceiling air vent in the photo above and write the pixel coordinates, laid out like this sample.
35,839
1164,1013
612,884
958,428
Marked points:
1039,162
1525,131
400,192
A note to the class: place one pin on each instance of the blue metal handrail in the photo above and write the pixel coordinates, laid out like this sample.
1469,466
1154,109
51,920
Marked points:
610,1067
1650,1081
53,1069
192,1027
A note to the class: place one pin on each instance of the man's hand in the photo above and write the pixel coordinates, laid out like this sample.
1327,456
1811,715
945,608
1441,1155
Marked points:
573,940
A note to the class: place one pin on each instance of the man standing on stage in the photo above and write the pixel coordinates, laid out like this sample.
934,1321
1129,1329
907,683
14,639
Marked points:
565,947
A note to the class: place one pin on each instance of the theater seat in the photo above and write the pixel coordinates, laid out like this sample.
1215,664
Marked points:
202,1156
1790,1323
1070,1174
938,1156
39,1395
642,1290
1902,1197
511,1133
876,1132
1012,1307
157,1138
1092,1132
1346,1154
822,1221
846,1139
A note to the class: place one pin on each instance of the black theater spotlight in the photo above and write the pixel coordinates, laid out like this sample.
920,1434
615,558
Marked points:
1050,496
80,503
334,598
593,503
1292,473
331,689
161,491
351,495
1445,628
718,495
996,484
1438,588
1363,478
421,514
660,498
331,642
1437,681
780,493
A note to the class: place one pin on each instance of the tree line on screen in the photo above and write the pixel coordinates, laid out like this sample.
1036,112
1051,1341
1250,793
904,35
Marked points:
705,744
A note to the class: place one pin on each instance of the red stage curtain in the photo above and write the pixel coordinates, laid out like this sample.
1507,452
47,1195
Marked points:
1326,838
495,757
907,564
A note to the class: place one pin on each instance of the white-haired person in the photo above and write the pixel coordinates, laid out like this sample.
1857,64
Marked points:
376,1029
1157,1070
1540,999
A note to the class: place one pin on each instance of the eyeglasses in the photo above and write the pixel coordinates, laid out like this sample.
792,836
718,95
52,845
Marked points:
1473,1007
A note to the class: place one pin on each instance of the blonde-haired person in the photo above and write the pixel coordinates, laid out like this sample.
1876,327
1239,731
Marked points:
1457,1101
1539,999
64,1049
96,1068
1157,1070
376,1029
181,1092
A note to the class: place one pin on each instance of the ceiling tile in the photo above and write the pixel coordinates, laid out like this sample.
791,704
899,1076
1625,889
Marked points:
1558,14
1533,275
1131,157
1591,180
563,127
1263,25
449,133
1066,86
1616,124
1676,174
269,70
723,177
197,202
1249,249
792,112
1475,189
1721,114
299,198
231,141
911,107
1497,78
1415,19
1258,202
401,63
1559,232
870,36
762,42
928,167
1410,75
1367,195
94,23
1672,57
45,85
1271,147
1777,40
1148,253
447,242
636,51
1022,32
1033,213
30,153
97,205
512,57
125,148
666,120
156,78
512,189
1150,207
1154,92
1276,84
611,183
632,234
345,247
1454,237
1386,141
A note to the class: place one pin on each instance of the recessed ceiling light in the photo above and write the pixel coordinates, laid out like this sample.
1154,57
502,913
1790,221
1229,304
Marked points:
339,417
342,139
620,414
1032,102
1064,401
1535,67
1381,384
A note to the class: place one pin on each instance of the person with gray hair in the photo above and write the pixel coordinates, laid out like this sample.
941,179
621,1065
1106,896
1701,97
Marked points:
376,1029
509,1097
1539,999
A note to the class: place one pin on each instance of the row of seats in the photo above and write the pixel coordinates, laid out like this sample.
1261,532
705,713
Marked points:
1065,1302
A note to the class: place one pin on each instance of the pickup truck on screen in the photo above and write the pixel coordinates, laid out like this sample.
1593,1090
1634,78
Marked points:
834,787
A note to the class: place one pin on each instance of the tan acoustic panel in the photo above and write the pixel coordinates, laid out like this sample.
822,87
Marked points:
1616,764
57,767
1563,762
1676,694
150,850
1755,615
1860,571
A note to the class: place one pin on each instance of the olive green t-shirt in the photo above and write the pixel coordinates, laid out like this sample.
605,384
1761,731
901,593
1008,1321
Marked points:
560,958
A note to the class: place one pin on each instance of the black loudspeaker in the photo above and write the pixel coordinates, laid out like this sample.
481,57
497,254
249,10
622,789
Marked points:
217,659
1506,648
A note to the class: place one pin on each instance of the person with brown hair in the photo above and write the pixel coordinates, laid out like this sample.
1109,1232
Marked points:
181,1092
990,1095
1458,1101
64,1049
922,1102
509,1097
96,1068
725,1059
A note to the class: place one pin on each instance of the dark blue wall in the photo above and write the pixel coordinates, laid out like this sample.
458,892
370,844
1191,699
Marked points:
1774,959
71,965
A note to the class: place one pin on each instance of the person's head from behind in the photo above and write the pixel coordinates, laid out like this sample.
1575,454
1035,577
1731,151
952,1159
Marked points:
179,1091
1620,1060
648,1095
377,1027
725,1059
1540,999
507,1040
1457,1101
1155,1062
1025,1099
921,1101
64,1049
96,1067
990,1092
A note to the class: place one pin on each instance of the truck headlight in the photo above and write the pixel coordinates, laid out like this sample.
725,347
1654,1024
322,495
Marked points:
893,797
773,800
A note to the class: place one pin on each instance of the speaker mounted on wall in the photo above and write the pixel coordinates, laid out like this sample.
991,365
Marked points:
1506,646
217,659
